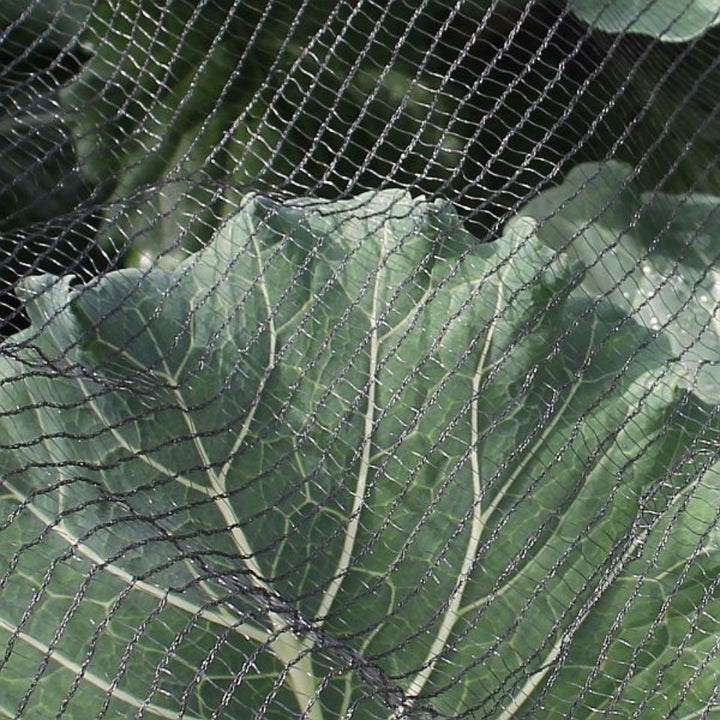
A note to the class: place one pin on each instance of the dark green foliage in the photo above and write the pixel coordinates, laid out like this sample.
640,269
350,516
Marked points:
173,111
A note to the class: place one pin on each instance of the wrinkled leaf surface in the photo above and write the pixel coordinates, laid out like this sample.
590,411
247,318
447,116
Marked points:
339,463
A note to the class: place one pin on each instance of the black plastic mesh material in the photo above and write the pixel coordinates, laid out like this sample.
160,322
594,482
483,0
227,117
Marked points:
359,359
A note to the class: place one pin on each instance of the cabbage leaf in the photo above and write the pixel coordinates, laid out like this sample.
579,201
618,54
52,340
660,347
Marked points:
344,463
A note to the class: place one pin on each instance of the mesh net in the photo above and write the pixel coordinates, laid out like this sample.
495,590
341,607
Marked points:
359,359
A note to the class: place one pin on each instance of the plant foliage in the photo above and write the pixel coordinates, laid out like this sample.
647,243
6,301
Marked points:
346,460
136,127
653,255
664,19
337,463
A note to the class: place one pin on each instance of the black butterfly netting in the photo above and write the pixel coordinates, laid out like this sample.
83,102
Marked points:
359,359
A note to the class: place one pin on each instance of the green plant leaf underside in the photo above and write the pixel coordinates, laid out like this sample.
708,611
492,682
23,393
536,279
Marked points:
666,20
339,464
653,255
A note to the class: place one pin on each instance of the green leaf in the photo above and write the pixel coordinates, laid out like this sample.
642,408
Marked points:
179,107
658,623
335,463
38,177
653,255
666,20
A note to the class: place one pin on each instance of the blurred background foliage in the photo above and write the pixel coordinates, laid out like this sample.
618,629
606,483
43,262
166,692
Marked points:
129,129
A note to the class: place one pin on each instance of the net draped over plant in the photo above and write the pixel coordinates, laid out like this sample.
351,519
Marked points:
359,359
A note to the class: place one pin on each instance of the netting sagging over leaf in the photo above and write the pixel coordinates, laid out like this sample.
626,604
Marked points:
368,361
404,460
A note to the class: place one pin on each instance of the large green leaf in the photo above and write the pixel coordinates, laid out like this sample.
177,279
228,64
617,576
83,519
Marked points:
653,255
667,20
336,463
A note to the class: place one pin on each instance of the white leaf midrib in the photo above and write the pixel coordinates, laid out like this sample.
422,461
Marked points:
291,651
360,490
76,669
172,598
555,651
478,519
